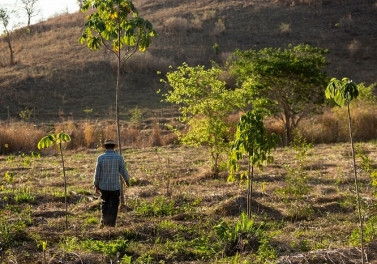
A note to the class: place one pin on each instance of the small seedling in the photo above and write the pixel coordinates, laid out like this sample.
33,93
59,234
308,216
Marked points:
343,92
58,139
252,139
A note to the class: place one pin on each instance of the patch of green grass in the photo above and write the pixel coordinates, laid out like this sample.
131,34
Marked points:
14,232
92,220
23,195
160,206
110,248
246,235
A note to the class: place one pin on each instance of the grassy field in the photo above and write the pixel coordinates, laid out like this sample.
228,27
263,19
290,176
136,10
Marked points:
303,209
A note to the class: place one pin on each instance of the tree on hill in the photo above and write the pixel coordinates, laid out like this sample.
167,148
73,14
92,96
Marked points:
30,8
116,25
291,77
4,20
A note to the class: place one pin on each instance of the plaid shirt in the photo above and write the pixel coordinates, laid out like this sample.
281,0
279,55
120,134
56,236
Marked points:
109,166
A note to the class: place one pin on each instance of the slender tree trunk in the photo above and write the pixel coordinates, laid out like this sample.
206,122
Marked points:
357,188
117,118
249,199
8,39
215,169
65,187
287,131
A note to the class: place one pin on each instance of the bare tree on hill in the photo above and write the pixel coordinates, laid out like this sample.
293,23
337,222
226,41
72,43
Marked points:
30,8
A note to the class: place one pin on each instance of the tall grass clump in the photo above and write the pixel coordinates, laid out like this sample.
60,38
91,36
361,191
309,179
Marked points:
364,122
19,136
74,130
155,137
332,125
322,129
132,135
246,235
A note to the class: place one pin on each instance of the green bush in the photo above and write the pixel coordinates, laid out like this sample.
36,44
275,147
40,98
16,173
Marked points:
245,235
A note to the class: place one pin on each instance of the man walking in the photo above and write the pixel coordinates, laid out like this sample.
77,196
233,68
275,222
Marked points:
107,181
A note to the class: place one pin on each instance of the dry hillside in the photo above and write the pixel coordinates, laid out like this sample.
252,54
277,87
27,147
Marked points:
59,78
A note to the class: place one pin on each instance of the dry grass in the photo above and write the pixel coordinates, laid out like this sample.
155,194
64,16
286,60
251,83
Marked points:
176,24
326,128
23,137
19,137
145,63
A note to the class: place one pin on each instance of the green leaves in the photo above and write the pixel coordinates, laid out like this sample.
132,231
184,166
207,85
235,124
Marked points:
4,18
292,77
341,91
205,104
52,139
252,139
117,23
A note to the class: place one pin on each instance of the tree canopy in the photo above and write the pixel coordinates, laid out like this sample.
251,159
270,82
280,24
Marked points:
292,77
117,25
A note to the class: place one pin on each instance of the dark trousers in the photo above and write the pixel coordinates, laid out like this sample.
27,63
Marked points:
109,207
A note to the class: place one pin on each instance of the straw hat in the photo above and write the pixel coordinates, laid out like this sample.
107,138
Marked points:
110,142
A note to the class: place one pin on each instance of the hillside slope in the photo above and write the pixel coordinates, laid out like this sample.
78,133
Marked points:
57,77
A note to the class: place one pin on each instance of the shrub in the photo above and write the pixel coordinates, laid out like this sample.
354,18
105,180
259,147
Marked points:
23,195
176,24
109,248
196,23
275,126
245,235
155,138
170,139
89,134
219,27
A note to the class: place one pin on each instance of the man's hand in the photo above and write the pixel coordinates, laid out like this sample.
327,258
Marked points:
96,190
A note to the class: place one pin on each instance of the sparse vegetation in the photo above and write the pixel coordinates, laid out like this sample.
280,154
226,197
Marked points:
181,227
304,201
